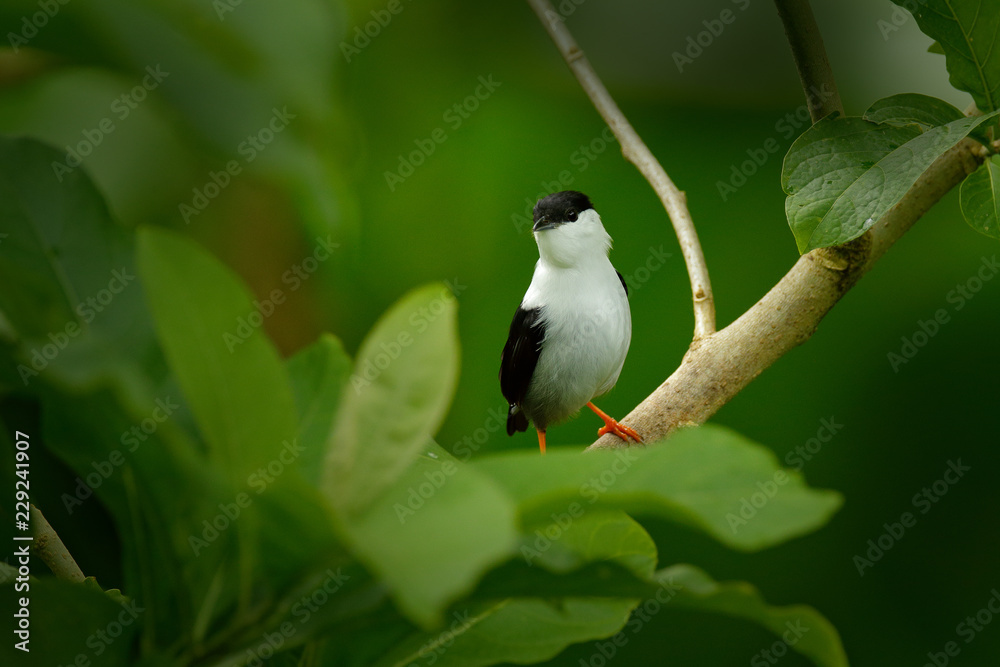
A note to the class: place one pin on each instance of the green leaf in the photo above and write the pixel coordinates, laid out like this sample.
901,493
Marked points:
318,374
228,73
843,174
36,211
231,375
241,399
528,631
815,637
709,478
403,380
433,533
89,623
980,198
77,314
966,31
912,108
522,631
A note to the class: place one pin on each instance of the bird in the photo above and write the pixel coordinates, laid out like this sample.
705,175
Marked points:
571,332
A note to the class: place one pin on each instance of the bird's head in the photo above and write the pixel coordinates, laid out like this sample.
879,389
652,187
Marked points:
568,230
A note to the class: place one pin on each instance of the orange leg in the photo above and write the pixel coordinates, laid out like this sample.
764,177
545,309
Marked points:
541,442
611,426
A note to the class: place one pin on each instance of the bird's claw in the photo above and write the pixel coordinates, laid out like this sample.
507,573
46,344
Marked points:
622,431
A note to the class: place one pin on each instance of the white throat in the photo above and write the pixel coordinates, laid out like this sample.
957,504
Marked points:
574,244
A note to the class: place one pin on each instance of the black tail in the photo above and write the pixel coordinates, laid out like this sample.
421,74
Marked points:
516,421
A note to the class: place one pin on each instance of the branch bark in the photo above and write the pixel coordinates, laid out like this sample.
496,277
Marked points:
52,551
636,152
809,54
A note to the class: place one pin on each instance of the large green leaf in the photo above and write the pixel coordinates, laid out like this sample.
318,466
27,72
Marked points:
403,380
318,374
966,32
76,314
101,375
843,174
912,108
979,195
543,616
241,398
432,534
527,631
90,625
229,371
709,478
801,627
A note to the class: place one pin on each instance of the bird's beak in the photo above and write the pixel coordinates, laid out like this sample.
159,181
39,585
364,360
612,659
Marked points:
543,224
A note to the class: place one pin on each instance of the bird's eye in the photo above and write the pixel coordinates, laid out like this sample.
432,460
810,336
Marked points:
572,215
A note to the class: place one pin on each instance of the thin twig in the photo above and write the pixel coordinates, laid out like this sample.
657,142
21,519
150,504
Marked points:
636,152
51,549
810,58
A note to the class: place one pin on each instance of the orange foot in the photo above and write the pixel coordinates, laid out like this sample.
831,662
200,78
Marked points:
611,426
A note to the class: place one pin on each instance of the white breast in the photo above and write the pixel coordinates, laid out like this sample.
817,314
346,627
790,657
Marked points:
588,328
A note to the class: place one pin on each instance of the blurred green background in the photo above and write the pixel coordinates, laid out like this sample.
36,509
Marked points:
354,107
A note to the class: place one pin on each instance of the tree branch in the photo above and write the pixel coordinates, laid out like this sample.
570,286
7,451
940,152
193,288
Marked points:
51,549
717,368
815,72
636,152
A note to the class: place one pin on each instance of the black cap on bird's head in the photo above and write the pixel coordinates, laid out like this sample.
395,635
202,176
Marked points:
559,208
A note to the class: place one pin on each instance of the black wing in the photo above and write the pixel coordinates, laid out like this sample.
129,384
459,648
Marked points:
622,278
518,361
